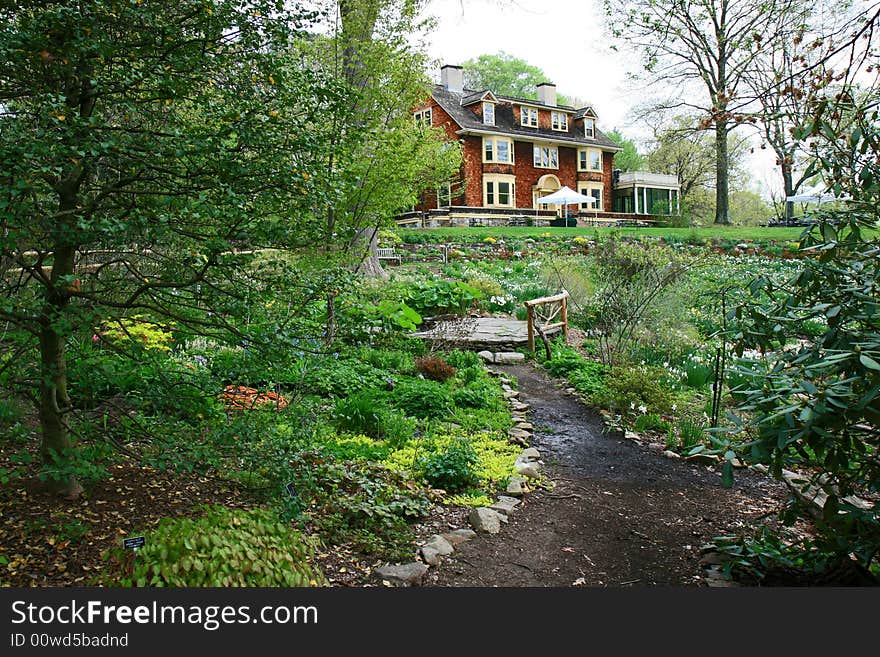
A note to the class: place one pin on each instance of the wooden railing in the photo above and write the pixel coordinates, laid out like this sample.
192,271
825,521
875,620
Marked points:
540,321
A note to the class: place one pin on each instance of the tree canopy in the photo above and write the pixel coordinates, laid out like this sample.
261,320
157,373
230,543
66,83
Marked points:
507,75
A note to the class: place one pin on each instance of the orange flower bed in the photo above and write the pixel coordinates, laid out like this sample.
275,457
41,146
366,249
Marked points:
242,398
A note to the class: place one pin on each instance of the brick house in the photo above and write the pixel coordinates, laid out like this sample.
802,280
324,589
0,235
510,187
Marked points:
517,150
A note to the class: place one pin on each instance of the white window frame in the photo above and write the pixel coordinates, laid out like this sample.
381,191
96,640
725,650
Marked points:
487,115
559,121
526,114
589,128
494,142
424,117
538,159
494,179
584,159
586,188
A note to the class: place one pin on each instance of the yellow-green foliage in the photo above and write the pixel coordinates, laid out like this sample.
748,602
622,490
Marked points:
137,329
495,467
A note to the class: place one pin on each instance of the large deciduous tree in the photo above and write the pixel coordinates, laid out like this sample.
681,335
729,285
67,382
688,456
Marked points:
141,143
710,44
505,74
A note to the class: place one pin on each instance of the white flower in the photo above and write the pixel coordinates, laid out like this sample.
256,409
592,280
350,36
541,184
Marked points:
632,406
643,409
674,406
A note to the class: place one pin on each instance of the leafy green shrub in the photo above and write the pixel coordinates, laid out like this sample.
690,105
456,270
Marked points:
696,374
360,413
421,398
454,469
650,422
224,547
138,330
564,362
589,378
628,388
463,359
390,360
360,504
439,296
435,368
477,394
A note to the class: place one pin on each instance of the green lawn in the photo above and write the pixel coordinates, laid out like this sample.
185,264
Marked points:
707,233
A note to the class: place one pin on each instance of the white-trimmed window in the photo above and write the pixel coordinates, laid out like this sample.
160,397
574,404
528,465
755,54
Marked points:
546,156
499,191
498,150
488,113
589,159
589,128
528,116
423,117
594,190
559,121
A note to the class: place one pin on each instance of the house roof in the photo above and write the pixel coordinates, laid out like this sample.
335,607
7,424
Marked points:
505,123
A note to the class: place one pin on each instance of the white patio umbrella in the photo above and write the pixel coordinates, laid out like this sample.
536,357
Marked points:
565,196
815,196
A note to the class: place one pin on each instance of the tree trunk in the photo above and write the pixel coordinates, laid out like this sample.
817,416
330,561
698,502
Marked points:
788,185
722,191
369,264
54,402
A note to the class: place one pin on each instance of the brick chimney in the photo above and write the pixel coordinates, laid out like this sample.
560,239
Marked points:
547,94
452,77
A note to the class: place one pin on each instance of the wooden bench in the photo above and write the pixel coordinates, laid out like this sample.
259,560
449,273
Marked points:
389,254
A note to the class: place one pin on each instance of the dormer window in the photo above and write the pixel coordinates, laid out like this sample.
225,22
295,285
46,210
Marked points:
488,113
528,117
589,128
559,121
423,117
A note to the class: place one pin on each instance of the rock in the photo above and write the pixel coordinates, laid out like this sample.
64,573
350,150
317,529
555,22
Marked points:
529,469
407,574
508,357
458,536
505,505
530,454
486,520
630,435
518,406
440,544
570,391
430,556
487,357
701,459
517,486
524,426
519,433
511,394
505,381
671,455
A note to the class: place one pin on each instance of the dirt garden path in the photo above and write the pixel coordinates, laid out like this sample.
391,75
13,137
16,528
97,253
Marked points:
620,513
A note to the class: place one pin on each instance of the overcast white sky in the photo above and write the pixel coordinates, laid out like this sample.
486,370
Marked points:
565,39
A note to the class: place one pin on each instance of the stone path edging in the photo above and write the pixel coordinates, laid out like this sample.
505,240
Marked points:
483,520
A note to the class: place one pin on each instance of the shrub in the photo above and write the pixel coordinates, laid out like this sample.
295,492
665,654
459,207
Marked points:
366,506
453,469
224,547
435,368
628,388
422,398
477,394
463,359
649,422
360,413
138,330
